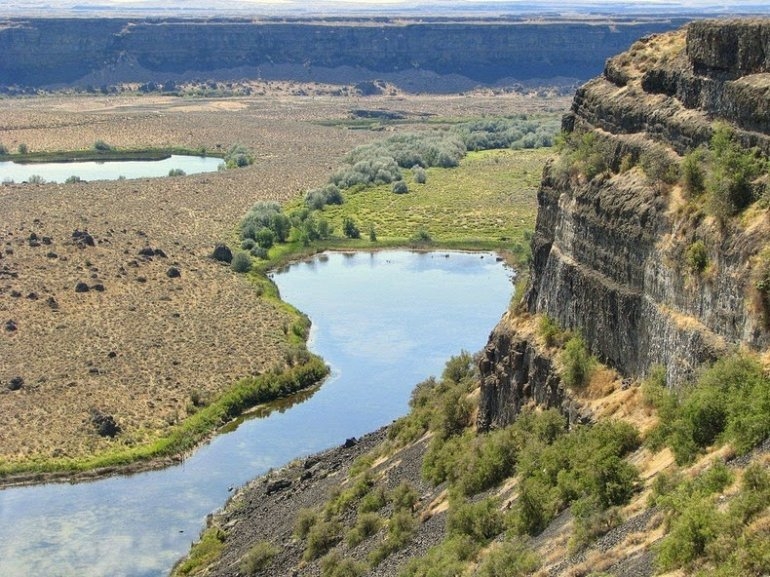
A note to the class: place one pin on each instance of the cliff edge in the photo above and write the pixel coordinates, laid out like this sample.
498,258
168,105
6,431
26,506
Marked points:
651,268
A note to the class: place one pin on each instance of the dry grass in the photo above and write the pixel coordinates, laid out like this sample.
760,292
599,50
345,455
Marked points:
142,348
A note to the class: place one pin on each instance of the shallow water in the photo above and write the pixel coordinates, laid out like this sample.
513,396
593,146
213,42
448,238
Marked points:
384,321
108,170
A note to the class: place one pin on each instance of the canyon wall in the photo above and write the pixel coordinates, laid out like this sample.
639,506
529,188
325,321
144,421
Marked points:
610,249
49,52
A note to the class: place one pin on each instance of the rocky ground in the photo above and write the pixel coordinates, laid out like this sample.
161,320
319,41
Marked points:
111,310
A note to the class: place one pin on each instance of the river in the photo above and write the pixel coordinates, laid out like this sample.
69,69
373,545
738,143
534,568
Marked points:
384,321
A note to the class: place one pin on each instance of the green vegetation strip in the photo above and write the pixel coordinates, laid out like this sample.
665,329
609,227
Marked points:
245,394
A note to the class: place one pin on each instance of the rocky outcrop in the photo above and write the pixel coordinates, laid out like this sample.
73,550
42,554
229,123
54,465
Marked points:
47,52
609,252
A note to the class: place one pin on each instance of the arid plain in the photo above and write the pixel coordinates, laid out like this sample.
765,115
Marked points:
141,344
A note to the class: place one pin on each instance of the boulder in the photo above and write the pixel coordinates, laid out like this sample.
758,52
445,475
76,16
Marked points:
222,253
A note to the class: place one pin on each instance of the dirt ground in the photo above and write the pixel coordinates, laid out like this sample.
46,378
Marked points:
139,344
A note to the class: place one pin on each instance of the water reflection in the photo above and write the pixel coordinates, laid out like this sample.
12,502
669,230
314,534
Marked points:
384,321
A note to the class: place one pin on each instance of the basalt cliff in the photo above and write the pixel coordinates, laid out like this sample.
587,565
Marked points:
412,54
613,249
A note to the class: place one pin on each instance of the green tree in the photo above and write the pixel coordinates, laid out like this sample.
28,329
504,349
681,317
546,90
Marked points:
349,228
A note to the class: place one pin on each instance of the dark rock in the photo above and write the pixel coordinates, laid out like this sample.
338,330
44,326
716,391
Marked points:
147,252
32,296
105,424
52,303
82,238
141,279
160,253
11,326
81,287
222,253
15,294
351,442
51,254
277,485
112,354
99,287
15,383
173,272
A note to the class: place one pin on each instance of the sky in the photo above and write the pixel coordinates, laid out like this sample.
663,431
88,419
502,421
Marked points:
297,7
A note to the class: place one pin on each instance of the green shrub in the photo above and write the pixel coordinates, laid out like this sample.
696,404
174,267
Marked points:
419,174
591,521
459,368
306,519
317,198
481,521
578,363
401,528
238,156
734,168
349,228
509,559
693,177
23,148
367,524
373,501
3,149
335,565
207,550
729,403
102,146
659,166
73,179
241,262
697,257
258,557
36,179
421,236
403,497
692,531
449,557
176,172
322,536
549,331
400,187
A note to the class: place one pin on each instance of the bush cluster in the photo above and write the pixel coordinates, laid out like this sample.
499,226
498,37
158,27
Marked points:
238,156
704,531
730,402
509,132
264,225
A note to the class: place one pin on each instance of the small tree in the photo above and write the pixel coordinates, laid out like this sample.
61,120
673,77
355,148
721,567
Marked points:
350,229
578,363
23,149
241,262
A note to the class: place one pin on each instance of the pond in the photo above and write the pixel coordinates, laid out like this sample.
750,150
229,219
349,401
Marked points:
106,170
384,321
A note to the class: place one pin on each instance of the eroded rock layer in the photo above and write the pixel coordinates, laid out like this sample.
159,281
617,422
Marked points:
609,251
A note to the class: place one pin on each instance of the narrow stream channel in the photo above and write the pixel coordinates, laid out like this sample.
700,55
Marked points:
384,321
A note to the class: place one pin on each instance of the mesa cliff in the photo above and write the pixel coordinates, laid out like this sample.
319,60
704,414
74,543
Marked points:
55,52
612,248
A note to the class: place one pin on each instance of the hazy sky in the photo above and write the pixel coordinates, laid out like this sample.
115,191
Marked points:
206,7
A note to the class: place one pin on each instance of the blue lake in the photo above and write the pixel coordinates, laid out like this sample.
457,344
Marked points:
384,321
108,170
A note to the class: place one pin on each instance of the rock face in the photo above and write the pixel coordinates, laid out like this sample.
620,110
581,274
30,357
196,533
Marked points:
41,52
609,252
